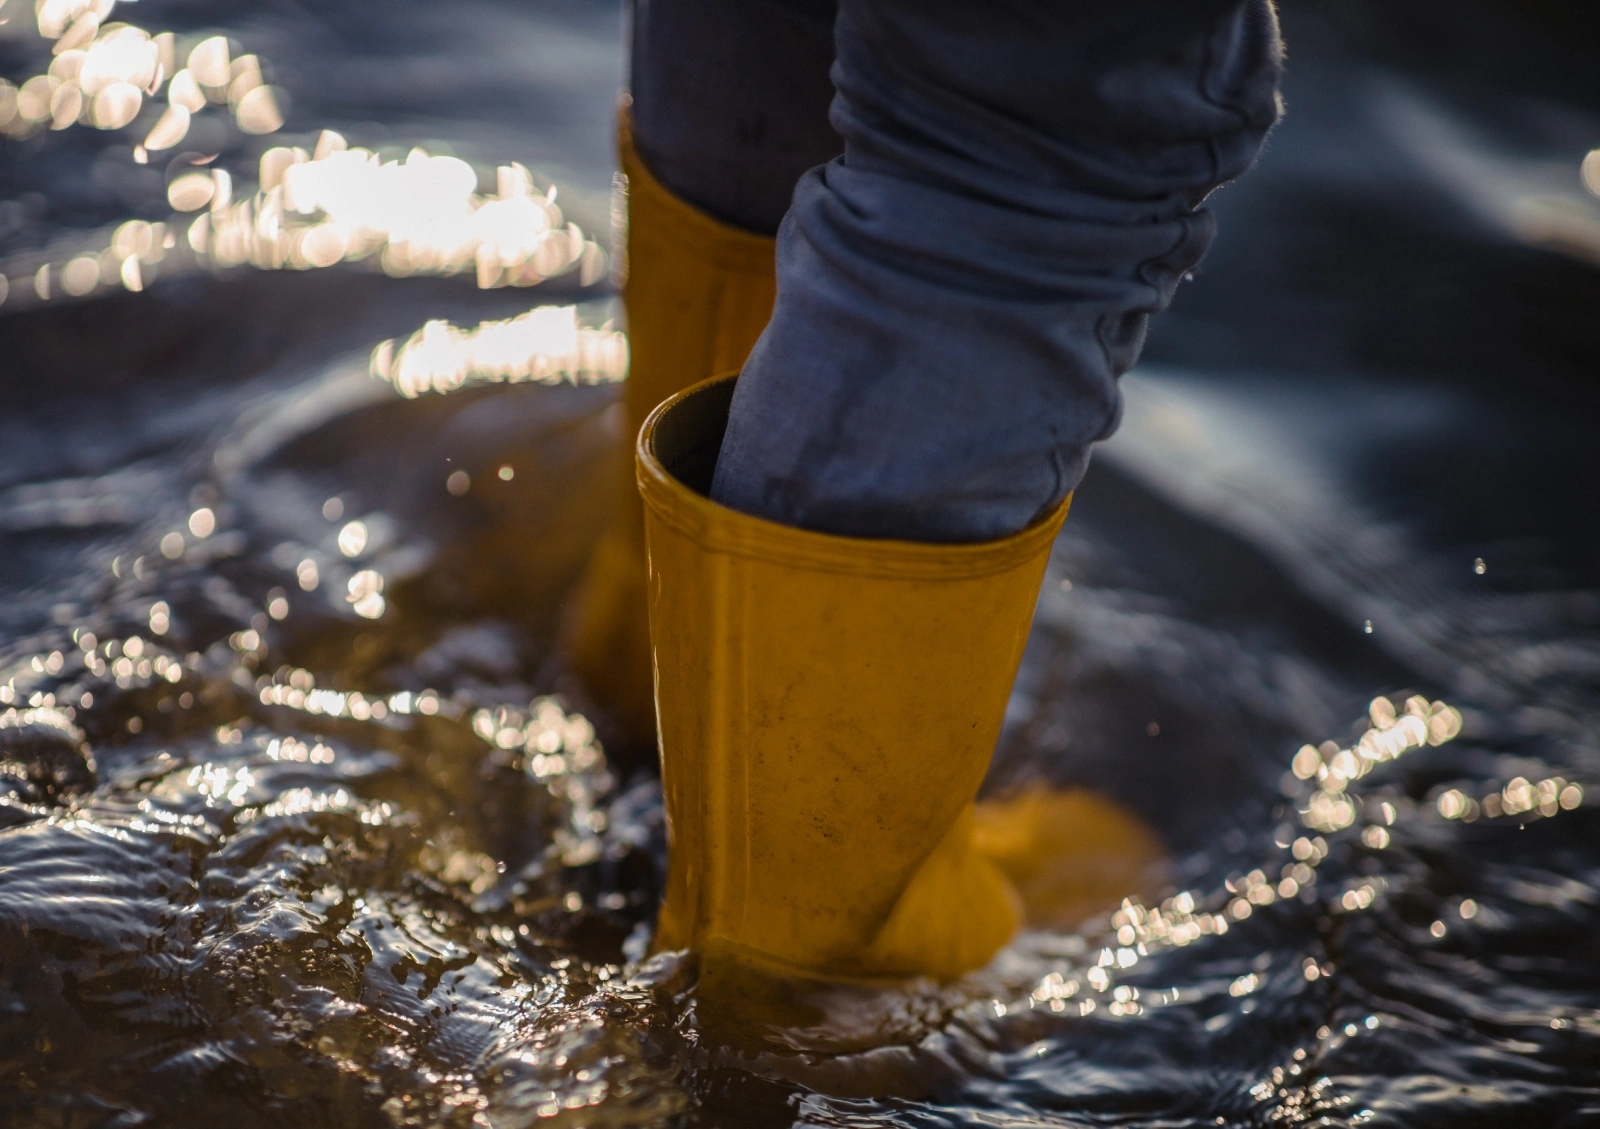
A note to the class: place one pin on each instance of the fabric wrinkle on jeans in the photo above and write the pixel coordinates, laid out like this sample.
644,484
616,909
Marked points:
1019,189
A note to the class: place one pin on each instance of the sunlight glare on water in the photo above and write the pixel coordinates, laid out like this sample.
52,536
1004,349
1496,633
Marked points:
447,892
309,209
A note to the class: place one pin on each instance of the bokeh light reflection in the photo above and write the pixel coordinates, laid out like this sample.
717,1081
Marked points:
546,345
419,215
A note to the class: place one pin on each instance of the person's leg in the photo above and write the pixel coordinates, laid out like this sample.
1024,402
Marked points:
1021,188
730,101
729,106
957,294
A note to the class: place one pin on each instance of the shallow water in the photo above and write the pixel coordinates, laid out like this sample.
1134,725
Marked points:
279,847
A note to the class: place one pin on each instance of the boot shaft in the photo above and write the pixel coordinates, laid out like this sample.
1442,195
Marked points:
827,708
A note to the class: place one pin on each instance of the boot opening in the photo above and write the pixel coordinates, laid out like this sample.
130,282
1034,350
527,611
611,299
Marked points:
688,438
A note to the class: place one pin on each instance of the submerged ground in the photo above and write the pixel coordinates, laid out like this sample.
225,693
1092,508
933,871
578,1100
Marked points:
302,822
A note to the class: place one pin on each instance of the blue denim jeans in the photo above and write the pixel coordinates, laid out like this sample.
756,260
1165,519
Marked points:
968,258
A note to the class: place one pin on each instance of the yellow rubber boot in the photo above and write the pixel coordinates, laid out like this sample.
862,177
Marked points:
827,708
698,294
1070,853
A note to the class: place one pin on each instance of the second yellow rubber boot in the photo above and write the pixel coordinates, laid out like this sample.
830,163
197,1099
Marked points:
1071,853
698,294
827,710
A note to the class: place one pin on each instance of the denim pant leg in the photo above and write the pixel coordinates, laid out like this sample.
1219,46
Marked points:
1021,187
730,101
